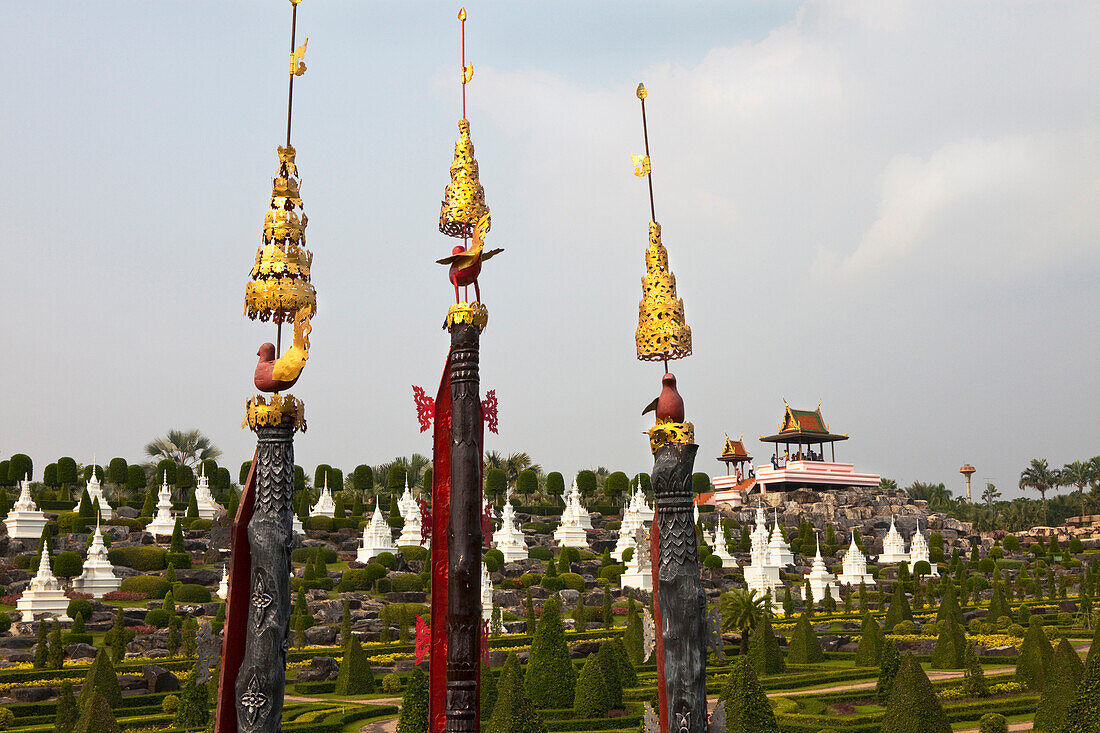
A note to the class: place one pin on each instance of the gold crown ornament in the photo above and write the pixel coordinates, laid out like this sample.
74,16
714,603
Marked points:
662,333
463,198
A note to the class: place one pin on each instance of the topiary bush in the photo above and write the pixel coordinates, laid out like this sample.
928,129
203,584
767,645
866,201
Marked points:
550,679
386,560
992,723
805,648
79,605
355,676
573,581
152,586
414,553
590,699
157,617
745,702
391,683
403,582
7,718
170,704
143,558
178,560
538,552
67,564
191,593
303,554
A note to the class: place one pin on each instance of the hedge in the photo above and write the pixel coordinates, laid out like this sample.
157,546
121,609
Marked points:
139,558
302,554
191,593
153,586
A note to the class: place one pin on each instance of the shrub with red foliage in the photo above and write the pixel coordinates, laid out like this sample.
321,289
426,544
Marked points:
70,593
125,595
142,630
9,600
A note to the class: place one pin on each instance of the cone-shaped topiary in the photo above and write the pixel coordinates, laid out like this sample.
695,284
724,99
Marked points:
67,713
950,646
177,539
627,674
949,605
487,692
149,507
1066,672
871,640
56,657
913,706
194,709
764,654
746,705
514,712
974,684
1083,714
609,663
998,606
899,608
804,647
192,506
551,680
355,676
888,667
1094,648
633,635
414,704
97,716
1033,664
590,699
42,647
102,679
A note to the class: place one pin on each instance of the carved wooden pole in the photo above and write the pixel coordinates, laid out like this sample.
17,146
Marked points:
464,533
262,676
680,595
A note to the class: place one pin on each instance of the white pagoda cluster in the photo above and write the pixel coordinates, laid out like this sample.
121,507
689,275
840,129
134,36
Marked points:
779,552
639,573
486,594
717,545
509,538
412,532
918,550
637,512
407,504
98,577
325,506
95,492
25,521
44,594
377,538
762,575
893,547
163,524
819,579
208,508
574,521
854,568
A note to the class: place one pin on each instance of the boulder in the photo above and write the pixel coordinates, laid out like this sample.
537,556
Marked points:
80,651
32,694
199,576
159,679
320,669
321,635
582,649
568,597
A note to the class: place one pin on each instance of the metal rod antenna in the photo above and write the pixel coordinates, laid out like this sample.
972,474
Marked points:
649,175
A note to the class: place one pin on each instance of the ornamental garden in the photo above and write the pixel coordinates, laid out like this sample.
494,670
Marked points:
113,581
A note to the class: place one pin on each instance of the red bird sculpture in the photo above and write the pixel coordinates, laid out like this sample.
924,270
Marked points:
275,375
669,405
466,263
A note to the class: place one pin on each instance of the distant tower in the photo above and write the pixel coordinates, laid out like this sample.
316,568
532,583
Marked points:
967,471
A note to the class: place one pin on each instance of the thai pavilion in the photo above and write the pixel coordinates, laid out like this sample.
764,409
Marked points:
740,475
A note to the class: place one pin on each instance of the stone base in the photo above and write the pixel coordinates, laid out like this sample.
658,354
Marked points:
512,552
97,586
25,525
621,546
643,580
296,526
34,602
885,559
366,554
161,528
571,537
728,561
853,580
209,511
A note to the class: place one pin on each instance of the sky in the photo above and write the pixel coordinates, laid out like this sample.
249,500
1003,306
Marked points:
891,208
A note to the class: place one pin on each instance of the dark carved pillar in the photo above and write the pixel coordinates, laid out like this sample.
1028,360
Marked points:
260,682
680,590
464,533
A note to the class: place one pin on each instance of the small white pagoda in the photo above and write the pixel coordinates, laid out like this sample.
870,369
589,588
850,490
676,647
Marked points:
486,594
163,524
412,531
639,573
819,578
407,503
632,519
571,531
893,547
573,505
223,584
95,491
644,509
509,538
25,521
377,538
208,508
918,550
98,577
325,506
779,553
761,575
718,547
854,568
44,594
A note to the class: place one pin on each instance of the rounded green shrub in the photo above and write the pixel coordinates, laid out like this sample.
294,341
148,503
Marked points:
170,704
383,585
191,593
573,581
323,524
386,560
992,723
203,524
391,683
157,617
67,564
153,586
413,553
142,558
304,554
178,560
539,552
404,582
81,606
528,579
7,718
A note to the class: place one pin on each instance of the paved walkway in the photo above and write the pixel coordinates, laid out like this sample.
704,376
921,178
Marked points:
933,675
1012,727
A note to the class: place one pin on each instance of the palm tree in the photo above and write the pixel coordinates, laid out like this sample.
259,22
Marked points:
1079,474
936,495
515,464
1040,477
185,447
887,484
741,610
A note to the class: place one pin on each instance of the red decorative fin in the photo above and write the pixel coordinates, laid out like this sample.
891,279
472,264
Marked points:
423,639
489,407
425,407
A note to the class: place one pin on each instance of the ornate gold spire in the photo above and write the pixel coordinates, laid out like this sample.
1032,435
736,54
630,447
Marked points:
662,331
464,198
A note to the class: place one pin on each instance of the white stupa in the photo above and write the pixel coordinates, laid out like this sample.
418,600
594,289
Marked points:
718,547
779,553
325,506
98,577
95,491
412,530
570,533
761,575
44,594
632,519
223,584
407,503
509,538
639,573
208,508
644,508
25,521
918,550
854,569
377,538
486,594
820,577
163,524
893,547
